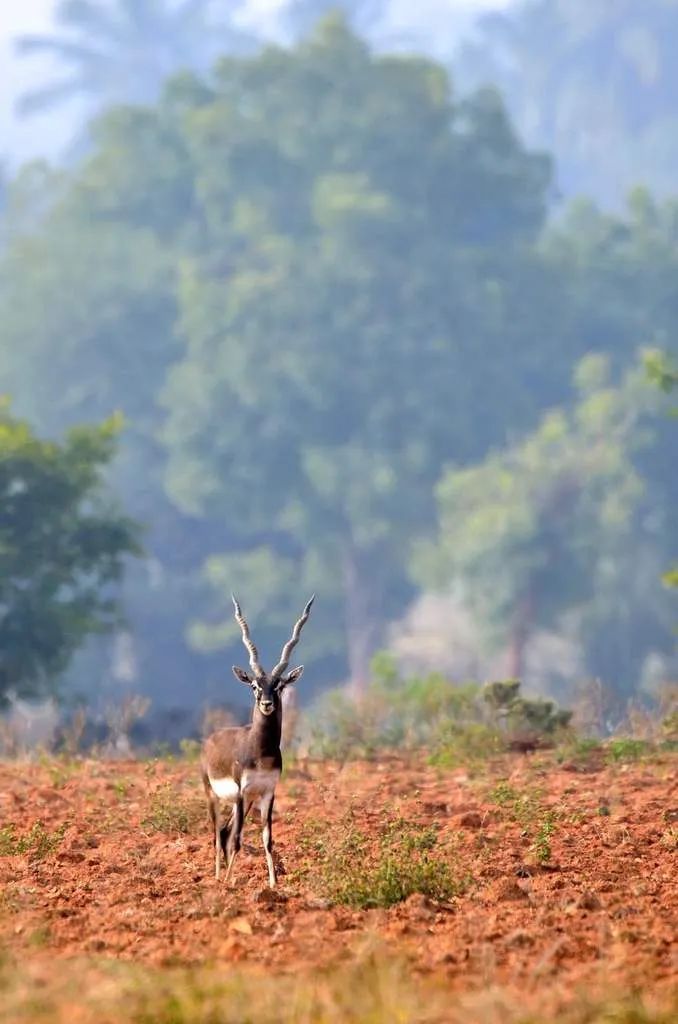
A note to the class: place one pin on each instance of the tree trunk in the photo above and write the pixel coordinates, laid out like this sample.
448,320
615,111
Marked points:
520,634
360,625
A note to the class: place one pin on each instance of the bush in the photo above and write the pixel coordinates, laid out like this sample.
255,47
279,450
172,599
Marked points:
457,722
525,807
624,748
172,813
38,843
349,868
464,744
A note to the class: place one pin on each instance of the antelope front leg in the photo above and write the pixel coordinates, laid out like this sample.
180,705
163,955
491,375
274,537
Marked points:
216,825
235,829
266,807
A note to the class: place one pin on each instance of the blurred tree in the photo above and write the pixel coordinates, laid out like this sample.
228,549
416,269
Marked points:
63,547
3,203
88,324
329,276
620,275
552,523
122,51
594,82
662,370
373,228
366,17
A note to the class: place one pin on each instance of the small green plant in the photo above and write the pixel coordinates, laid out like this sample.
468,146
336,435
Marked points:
190,749
581,752
60,768
466,744
625,749
170,812
542,843
527,810
669,728
353,869
39,937
38,843
523,807
163,752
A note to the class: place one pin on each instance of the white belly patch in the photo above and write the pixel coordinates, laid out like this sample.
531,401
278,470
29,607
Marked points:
226,788
254,780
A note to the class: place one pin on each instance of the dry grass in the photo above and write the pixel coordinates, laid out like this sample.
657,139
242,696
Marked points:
374,989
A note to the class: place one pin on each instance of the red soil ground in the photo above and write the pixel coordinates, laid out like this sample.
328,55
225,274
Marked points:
600,913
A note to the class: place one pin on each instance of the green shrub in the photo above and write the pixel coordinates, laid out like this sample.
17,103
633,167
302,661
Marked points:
457,722
580,752
190,749
171,812
625,748
348,867
465,744
525,807
38,843
542,843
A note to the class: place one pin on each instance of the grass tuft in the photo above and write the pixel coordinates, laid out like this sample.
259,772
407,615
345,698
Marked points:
349,868
172,813
38,843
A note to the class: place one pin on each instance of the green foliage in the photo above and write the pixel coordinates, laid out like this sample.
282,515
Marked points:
670,727
548,524
190,749
471,743
457,723
172,813
523,806
626,748
525,721
663,372
348,869
37,844
392,712
542,842
526,807
365,16
582,753
339,323
63,547
311,282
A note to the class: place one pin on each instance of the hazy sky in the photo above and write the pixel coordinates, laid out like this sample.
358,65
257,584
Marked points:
44,135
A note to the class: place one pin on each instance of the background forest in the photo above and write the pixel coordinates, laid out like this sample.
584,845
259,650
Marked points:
374,320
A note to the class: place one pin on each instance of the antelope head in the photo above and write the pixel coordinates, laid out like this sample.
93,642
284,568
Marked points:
268,686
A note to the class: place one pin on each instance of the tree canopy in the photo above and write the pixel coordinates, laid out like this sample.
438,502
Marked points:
545,526
591,81
63,548
311,281
354,296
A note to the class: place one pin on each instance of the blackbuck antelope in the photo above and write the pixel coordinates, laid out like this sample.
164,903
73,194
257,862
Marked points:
241,766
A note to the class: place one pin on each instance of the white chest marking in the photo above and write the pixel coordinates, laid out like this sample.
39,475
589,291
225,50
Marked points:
226,788
255,780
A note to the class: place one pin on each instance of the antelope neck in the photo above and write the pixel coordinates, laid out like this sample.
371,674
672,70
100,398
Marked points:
266,732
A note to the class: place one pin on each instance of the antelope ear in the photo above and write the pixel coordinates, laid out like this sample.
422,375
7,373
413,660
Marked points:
292,677
242,675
